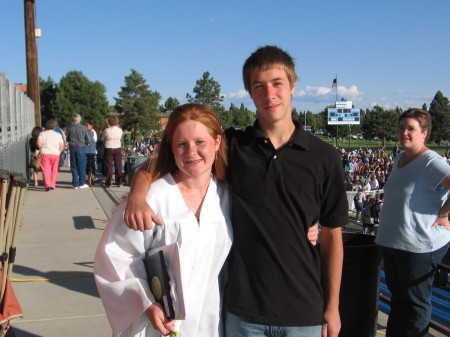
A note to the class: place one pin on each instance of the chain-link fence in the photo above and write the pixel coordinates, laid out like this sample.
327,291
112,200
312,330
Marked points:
16,123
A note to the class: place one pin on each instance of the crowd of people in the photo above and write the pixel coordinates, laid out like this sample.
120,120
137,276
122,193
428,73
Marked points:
87,154
367,168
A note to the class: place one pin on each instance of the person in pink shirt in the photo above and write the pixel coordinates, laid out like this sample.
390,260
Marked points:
51,145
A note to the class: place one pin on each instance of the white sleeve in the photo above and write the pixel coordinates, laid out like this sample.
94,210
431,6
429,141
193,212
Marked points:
120,273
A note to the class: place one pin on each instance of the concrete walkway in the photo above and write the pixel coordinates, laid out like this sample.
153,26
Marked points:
57,239
56,243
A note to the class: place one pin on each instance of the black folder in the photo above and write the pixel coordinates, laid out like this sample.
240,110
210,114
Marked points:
158,279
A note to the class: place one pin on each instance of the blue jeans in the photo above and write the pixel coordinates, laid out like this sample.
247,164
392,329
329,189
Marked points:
409,277
78,165
236,326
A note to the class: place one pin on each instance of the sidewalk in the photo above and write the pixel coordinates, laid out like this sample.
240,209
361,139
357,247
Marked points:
56,243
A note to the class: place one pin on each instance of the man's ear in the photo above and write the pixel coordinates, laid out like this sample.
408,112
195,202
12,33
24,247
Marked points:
293,88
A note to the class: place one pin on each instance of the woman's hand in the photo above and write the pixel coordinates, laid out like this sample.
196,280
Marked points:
156,316
313,234
442,222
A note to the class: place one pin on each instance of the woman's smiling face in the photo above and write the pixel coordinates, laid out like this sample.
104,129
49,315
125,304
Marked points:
194,149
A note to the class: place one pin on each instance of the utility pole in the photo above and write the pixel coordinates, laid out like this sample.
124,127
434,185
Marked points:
31,55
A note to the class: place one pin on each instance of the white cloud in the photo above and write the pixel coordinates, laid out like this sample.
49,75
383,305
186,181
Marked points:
351,93
313,92
237,94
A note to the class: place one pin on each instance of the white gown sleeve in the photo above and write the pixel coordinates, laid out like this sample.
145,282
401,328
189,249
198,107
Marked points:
120,274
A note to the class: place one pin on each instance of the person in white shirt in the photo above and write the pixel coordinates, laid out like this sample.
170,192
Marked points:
189,193
374,184
367,185
113,151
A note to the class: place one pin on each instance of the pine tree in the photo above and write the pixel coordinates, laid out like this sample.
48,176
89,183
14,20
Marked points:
440,117
138,104
170,104
207,91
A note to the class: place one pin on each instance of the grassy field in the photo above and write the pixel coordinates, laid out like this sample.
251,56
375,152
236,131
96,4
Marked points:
346,143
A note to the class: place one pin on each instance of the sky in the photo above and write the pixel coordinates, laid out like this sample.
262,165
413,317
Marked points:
387,53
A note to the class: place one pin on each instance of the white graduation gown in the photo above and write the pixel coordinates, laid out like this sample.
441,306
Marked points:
120,273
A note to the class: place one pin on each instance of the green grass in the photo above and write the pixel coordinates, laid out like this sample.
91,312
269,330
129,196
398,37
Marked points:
358,142
376,143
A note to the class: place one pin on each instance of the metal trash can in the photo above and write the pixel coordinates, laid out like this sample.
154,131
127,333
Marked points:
358,304
133,163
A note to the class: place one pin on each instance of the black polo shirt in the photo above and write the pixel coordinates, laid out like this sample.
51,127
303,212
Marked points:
274,271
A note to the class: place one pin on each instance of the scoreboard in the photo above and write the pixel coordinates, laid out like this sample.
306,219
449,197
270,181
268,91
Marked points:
343,114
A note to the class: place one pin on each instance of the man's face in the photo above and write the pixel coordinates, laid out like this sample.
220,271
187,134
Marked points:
272,94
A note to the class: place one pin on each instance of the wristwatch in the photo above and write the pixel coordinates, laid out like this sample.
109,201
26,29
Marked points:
443,216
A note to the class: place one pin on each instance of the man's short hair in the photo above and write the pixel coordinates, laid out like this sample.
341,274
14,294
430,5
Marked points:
50,124
76,118
268,57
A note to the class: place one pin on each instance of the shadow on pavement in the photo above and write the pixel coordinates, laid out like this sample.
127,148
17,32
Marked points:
78,281
83,222
20,333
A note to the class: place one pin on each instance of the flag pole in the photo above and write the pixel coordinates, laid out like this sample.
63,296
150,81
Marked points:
335,105
336,88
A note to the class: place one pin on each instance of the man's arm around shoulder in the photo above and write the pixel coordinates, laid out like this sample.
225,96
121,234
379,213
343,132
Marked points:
138,214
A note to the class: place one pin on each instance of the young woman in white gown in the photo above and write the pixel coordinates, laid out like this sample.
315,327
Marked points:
188,192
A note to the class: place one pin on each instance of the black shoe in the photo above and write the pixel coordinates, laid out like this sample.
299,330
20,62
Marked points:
47,189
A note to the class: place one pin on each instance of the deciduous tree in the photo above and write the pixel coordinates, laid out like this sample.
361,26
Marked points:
75,93
47,90
240,117
380,123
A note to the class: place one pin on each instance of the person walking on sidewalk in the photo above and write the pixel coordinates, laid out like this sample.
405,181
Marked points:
78,139
34,149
